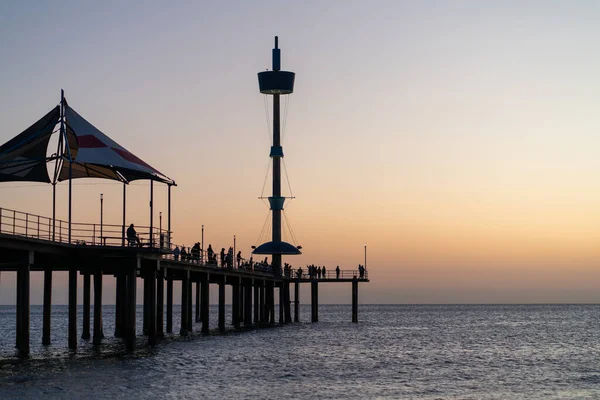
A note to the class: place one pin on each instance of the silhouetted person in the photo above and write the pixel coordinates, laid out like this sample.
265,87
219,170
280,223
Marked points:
230,258
323,272
337,272
319,272
210,253
299,273
239,258
183,254
196,251
132,237
223,257
176,253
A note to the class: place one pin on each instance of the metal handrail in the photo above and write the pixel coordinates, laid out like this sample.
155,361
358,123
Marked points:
18,223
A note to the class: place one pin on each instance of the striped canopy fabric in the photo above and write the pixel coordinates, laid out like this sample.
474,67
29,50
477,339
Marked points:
95,155
23,158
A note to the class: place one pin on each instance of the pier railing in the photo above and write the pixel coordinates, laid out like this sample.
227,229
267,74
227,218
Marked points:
34,226
331,274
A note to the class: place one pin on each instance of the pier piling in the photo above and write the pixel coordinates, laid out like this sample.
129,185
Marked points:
72,307
160,300
355,300
314,300
190,319
151,281
296,301
23,278
281,302
130,297
197,300
98,331
221,305
169,302
118,304
183,331
235,302
205,303
248,303
47,305
85,334
256,301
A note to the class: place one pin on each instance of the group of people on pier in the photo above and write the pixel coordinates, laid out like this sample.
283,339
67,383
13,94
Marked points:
195,254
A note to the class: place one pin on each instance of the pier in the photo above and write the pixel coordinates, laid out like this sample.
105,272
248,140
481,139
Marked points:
28,248
32,243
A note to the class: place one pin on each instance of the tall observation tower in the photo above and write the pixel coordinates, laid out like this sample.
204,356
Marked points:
276,83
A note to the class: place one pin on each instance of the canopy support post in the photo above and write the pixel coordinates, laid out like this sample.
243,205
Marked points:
70,195
169,215
53,210
151,212
124,202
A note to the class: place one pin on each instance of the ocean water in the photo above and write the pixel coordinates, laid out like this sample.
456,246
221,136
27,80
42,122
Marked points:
395,352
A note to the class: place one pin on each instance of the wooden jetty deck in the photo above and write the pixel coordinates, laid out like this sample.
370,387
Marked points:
29,243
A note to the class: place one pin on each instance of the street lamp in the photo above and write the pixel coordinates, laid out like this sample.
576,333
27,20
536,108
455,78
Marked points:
365,256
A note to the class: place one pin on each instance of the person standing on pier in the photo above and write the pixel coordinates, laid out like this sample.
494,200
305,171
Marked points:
337,272
176,253
183,254
239,259
210,254
323,272
223,257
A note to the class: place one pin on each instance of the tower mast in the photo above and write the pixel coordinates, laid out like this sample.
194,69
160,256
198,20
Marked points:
276,83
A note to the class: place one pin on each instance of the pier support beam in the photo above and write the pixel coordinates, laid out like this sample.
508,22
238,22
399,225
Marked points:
271,302
198,300
190,307
314,300
248,303
355,300
119,305
281,303
169,302
221,306
47,305
72,307
242,298
98,330
287,303
204,312
146,304
160,300
256,302
183,331
296,301
261,302
85,334
235,302
151,282
23,278
130,297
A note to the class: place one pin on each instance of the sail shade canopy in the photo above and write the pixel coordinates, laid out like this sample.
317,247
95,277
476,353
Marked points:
23,158
95,155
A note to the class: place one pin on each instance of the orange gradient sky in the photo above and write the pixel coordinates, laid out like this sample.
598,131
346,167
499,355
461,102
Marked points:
459,140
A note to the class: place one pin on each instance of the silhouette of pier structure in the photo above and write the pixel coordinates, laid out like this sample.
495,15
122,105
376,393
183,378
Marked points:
34,243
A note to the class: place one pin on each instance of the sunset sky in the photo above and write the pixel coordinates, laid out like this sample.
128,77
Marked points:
459,139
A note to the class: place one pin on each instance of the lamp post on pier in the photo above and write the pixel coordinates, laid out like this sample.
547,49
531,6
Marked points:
365,256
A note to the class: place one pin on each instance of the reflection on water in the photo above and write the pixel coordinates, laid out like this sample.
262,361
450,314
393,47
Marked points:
422,352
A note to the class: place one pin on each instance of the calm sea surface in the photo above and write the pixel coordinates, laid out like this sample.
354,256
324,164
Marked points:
402,352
